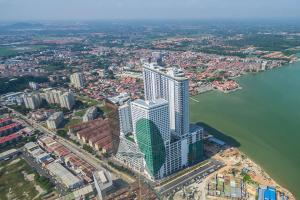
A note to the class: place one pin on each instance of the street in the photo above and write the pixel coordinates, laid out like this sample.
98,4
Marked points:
188,177
77,150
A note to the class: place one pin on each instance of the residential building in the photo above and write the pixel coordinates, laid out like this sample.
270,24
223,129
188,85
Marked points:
5,121
32,101
169,84
157,57
67,100
55,120
125,118
151,132
53,96
77,80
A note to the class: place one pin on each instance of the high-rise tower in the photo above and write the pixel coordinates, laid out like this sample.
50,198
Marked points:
162,140
169,84
151,132
77,80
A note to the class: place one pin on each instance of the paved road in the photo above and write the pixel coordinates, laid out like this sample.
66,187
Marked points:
185,179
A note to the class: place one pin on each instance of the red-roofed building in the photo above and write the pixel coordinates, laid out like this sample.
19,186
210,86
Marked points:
9,129
61,151
9,139
97,134
5,121
82,168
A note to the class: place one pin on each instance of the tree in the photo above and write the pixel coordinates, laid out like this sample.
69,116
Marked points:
62,133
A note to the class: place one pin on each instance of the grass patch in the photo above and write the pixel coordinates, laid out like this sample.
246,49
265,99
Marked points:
13,184
73,122
80,113
88,101
14,51
7,51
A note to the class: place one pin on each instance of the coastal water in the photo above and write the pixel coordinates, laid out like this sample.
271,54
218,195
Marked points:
262,119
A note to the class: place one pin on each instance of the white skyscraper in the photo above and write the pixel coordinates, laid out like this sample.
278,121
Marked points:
77,80
164,141
171,85
151,132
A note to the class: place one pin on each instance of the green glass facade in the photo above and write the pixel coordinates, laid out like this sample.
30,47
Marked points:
196,152
151,143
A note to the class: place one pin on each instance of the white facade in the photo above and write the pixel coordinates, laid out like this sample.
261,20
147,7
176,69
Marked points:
77,80
125,118
171,85
155,111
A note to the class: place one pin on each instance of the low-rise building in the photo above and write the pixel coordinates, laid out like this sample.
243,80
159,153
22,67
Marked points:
31,146
98,135
64,176
5,121
10,128
118,100
12,138
267,193
103,182
79,166
90,114
9,154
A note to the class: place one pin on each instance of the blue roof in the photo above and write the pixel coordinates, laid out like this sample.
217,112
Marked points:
270,193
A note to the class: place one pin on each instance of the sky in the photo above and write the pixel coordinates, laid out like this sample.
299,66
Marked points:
20,10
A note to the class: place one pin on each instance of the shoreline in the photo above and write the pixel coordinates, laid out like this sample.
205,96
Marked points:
264,174
205,89
235,159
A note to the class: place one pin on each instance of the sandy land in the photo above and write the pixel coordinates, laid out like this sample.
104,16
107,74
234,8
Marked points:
236,160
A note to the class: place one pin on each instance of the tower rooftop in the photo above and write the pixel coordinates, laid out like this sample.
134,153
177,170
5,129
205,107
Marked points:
171,72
